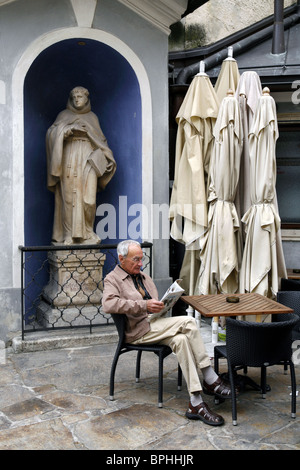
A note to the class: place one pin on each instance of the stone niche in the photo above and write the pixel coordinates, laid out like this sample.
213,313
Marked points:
73,294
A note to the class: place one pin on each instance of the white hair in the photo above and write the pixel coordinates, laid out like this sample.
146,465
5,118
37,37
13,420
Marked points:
123,247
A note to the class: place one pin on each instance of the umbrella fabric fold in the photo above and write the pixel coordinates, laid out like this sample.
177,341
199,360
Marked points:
220,252
228,78
248,92
196,118
263,261
188,206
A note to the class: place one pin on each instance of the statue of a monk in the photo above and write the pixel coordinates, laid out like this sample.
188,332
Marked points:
79,163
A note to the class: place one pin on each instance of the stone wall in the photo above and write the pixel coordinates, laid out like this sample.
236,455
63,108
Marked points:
217,19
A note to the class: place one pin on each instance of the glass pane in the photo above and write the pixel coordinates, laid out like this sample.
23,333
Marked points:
288,147
288,176
288,193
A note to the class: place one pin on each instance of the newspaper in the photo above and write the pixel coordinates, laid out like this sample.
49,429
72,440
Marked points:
169,299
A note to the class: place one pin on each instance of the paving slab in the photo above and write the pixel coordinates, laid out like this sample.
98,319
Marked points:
58,399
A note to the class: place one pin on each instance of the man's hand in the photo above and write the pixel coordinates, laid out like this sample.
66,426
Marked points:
154,306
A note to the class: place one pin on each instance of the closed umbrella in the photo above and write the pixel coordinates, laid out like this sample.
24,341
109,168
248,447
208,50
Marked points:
263,261
228,77
188,206
221,251
248,92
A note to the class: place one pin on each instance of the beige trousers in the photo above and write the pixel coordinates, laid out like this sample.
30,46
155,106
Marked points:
184,338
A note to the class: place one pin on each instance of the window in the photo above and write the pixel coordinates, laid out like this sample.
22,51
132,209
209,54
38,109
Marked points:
288,160
288,175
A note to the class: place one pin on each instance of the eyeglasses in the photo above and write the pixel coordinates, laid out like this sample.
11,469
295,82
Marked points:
136,259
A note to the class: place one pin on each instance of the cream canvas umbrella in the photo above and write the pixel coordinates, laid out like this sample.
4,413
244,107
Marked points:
228,77
188,206
221,252
248,92
263,261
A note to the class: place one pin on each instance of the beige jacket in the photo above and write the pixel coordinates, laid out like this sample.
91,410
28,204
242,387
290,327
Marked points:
121,296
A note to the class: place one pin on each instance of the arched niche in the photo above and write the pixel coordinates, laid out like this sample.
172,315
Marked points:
120,96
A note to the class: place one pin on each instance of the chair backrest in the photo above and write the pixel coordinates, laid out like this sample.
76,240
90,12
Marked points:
290,284
119,320
255,344
290,299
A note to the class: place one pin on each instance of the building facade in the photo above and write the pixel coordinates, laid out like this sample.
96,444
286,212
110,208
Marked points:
118,50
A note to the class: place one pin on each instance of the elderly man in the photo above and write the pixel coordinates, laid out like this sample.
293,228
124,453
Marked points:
129,291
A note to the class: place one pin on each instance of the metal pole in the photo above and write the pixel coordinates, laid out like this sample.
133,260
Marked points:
278,46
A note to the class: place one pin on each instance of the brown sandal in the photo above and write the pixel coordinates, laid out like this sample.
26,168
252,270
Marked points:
203,413
218,388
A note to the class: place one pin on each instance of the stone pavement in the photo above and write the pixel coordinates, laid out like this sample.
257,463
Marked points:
58,399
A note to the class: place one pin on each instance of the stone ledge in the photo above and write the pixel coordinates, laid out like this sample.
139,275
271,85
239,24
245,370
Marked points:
44,340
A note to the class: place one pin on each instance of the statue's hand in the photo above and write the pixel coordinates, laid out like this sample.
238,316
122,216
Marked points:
80,126
68,132
109,167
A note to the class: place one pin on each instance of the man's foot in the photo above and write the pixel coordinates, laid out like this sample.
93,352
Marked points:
203,413
219,388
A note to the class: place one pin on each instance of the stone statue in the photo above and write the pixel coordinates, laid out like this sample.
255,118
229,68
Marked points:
79,163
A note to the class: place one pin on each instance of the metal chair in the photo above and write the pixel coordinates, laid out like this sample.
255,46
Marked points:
161,351
259,345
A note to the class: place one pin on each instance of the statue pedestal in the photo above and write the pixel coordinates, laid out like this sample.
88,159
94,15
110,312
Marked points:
74,291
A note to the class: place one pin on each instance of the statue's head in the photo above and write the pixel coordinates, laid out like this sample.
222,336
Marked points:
79,97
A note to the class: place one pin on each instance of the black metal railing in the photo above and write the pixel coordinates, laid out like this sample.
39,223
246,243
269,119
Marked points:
61,287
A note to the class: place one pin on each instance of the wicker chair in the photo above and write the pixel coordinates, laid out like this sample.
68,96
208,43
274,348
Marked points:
259,345
290,299
290,284
161,351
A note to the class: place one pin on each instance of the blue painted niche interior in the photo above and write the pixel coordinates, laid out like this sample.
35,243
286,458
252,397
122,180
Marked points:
115,99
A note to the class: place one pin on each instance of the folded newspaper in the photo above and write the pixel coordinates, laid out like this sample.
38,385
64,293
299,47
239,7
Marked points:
169,299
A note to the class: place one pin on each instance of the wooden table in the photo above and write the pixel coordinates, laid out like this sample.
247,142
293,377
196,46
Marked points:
216,306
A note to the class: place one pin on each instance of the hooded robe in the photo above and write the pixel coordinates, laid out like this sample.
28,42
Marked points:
79,164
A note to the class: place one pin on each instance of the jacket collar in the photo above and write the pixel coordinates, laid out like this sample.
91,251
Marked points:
124,274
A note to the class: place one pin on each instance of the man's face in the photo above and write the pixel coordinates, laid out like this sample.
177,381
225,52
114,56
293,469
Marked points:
133,261
79,99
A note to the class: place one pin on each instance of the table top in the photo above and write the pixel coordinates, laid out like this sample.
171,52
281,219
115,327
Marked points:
249,304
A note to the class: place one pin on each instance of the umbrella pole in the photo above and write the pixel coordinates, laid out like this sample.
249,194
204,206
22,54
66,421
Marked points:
190,310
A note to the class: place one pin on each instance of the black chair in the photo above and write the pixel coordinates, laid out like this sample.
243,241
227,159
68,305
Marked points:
161,351
290,299
259,345
289,284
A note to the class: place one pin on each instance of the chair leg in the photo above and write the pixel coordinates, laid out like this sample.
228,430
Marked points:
216,362
112,376
160,380
293,383
179,379
263,381
233,395
138,366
